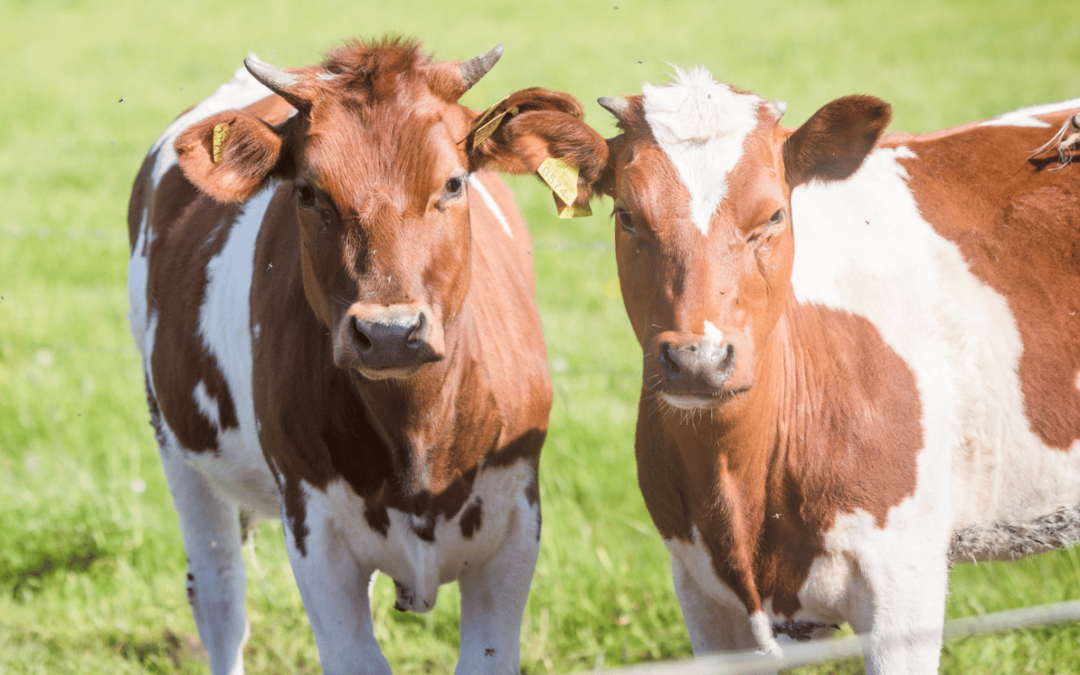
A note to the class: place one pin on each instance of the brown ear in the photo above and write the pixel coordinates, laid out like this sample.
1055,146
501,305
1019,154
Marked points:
833,143
530,126
229,156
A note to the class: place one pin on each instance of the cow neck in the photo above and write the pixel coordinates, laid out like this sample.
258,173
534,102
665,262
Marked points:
830,398
438,422
752,441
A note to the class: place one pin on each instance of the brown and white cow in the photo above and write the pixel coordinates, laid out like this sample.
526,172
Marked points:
335,309
861,355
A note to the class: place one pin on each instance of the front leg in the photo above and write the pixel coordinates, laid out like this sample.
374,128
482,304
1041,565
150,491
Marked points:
713,627
335,591
493,597
216,576
899,609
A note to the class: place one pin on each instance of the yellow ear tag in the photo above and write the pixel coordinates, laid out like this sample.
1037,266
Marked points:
562,179
487,123
484,132
221,132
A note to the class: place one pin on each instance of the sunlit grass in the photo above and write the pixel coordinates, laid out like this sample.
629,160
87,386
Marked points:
92,570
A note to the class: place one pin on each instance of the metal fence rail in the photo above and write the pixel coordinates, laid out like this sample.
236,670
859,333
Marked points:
822,651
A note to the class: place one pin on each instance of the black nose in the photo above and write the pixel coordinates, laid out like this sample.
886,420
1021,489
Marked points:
696,367
390,342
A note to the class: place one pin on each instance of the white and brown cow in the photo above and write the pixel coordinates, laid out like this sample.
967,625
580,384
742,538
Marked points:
335,309
861,355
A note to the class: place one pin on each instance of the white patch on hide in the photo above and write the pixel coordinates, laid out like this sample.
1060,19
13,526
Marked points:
761,626
489,201
1026,117
698,563
713,337
224,325
863,247
208,405
138,277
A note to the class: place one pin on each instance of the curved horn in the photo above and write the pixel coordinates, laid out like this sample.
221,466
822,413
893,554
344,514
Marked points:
616,106
475,68
283,83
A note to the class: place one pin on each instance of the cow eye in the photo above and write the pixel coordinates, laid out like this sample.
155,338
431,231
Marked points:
305,196
776,217
454,186
626,221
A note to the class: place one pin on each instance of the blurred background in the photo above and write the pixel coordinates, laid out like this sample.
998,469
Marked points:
91,565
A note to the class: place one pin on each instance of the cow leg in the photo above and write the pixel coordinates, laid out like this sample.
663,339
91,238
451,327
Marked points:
335,591
899,608
713,627
216,576
493,597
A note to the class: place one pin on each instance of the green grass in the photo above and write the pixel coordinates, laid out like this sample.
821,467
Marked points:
92,570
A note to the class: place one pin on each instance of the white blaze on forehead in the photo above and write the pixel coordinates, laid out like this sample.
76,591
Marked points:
1026,117
701,125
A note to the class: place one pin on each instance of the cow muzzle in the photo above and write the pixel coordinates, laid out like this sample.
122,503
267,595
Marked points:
385,342
695,371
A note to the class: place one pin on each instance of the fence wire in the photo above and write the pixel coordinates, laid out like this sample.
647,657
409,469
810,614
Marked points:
796,655
558,366
120,235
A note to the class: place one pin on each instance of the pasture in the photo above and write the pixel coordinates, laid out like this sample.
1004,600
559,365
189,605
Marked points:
91,565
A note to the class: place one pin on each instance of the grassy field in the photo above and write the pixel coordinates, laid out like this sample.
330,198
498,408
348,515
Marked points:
91,565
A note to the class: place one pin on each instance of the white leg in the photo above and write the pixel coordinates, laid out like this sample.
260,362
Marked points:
335,591
493,598
899,605
713,627
216,577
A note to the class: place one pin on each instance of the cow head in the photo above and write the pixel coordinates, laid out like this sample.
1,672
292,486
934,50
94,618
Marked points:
701,177
378,165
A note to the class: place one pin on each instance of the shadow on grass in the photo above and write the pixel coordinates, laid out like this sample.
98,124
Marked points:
171,651
30,577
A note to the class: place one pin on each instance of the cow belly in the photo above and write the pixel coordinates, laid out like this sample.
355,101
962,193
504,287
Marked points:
420,564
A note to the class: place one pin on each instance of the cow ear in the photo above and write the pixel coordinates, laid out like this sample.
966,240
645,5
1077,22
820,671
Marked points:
230,155
541,131
833,143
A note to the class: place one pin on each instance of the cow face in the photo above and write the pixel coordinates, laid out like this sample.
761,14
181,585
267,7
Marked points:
381,199
702,178
704,235
704,278
378,170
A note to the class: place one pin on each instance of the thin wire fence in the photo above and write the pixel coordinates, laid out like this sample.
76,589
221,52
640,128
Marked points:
824,651
119,236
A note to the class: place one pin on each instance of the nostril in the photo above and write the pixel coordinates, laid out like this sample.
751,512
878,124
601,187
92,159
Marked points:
360,338
667,361
726,357
415,336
